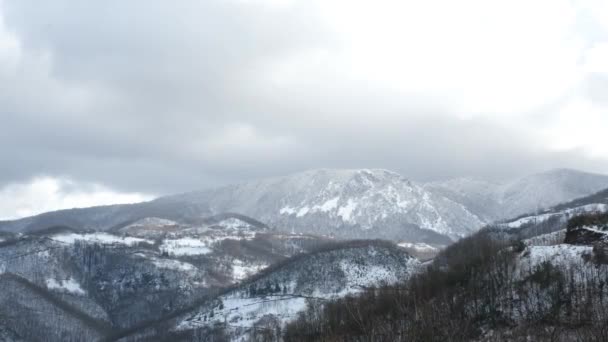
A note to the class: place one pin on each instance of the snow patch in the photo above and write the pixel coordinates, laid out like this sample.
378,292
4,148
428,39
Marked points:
328,206
558,255
68,285
100,238
287,211
303,211
241,270
185,246
234,223
245,312
549,239
176,265
346,212
596,229
420,247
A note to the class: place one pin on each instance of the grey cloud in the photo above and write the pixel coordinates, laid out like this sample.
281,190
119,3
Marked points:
143,95
596,88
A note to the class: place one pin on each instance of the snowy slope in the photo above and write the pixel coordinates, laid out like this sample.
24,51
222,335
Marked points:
31,312
562,215
286,290
126,279
345,203
555,218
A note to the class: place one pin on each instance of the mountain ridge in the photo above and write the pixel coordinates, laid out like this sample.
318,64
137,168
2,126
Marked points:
346,203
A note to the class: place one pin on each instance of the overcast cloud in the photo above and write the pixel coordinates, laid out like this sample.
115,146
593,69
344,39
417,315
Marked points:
117,101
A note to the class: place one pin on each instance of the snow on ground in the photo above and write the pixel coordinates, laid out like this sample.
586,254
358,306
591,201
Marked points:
365,276
242,308
327,206
67,285
238,309
549,239
596,229
303,211
589,208
185,246
532,219
346,212
287,211
206,239
420,247
171,264
562,255
242,270
234,223
245,312
100,238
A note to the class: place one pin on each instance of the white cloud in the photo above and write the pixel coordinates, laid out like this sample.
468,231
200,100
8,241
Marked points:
10,51
229,90
596,58
476,56
580,124
596,9
47,194
269,3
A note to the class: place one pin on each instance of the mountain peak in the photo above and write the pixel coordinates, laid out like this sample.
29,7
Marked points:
346,173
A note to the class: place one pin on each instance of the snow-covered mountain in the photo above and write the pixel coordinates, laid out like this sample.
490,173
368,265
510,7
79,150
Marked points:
346,204
383,204
243,256
494,201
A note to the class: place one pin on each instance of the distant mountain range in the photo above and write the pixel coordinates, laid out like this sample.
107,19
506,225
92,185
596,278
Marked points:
499,201
346,204
247,259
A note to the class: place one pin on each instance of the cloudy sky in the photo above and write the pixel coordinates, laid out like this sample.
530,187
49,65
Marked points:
118,101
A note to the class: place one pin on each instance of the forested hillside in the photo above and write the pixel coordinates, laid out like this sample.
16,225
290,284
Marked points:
483,288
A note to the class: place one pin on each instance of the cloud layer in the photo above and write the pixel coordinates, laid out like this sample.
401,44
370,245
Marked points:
157,97
47,194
